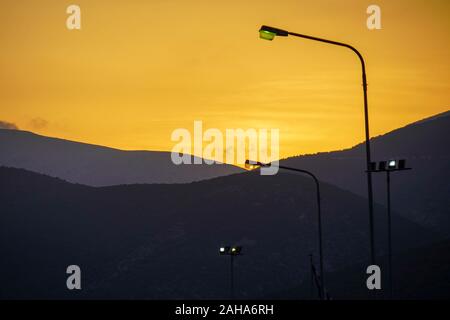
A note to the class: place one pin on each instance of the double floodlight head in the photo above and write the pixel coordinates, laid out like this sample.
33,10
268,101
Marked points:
268,33
230,251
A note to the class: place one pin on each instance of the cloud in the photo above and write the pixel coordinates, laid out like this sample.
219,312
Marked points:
8,125
38,123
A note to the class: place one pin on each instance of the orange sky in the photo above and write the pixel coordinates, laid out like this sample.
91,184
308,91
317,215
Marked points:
140,69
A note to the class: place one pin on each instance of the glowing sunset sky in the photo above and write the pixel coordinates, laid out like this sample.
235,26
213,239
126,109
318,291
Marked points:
140,69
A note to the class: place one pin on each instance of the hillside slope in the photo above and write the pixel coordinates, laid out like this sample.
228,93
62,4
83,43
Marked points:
161,241
422,194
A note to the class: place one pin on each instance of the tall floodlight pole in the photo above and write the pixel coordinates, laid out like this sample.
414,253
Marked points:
388,199
388,167
269,33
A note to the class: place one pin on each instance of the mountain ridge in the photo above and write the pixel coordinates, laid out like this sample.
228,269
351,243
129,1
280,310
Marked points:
98,165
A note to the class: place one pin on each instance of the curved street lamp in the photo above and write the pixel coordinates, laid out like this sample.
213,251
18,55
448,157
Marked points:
255,164
269,33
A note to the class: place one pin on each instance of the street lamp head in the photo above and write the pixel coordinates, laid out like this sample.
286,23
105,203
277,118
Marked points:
269,33
224,250
250,164
402,164
266,35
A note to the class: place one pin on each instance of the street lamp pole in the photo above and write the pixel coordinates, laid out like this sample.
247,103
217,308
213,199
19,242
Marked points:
319,214
269,33
319,223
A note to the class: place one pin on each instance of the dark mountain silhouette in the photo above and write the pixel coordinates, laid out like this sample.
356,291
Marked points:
96,165
421,195
160,241
431,262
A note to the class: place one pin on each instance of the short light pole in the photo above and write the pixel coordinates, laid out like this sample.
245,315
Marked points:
255,164
388,167
315,279
232,252
269,33
312,274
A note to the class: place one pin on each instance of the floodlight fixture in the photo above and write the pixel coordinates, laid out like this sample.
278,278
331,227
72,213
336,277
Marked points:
392,164
235,251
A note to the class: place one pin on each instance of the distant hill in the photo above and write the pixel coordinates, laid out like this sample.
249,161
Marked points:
421,195
160,241
96,165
